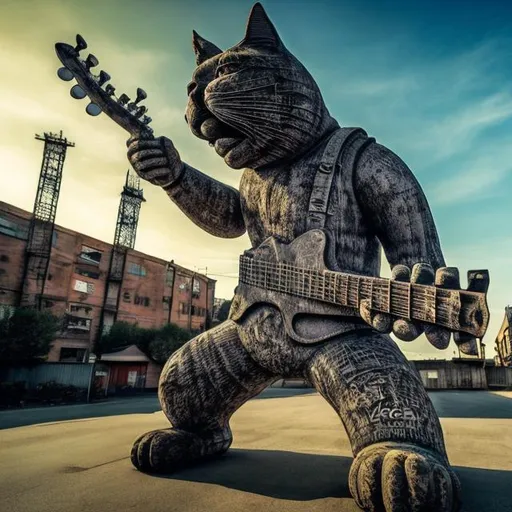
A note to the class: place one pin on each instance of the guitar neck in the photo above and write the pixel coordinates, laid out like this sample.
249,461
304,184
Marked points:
422,303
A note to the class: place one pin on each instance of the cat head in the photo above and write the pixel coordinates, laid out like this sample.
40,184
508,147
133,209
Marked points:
255,102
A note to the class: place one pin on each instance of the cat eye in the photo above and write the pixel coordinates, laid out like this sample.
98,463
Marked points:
226,69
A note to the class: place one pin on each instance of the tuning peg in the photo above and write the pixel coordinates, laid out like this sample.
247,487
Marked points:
110,89
93,110
80,44
123,99
64,74
103,78
77,92
141,95
140,111
91,61
146,119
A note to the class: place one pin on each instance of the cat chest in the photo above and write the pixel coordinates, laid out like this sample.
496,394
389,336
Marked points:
275,204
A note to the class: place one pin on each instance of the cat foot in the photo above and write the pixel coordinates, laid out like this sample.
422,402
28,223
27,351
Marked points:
165,451
398,477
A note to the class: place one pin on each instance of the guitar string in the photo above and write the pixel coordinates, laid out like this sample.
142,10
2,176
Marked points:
317,281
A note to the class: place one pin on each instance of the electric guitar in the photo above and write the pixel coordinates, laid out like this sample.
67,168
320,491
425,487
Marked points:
126,113
294,278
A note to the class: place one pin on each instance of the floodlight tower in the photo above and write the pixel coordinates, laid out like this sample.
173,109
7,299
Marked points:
124,239
40,236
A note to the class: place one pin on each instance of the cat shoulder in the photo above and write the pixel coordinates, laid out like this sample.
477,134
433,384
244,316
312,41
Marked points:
380,171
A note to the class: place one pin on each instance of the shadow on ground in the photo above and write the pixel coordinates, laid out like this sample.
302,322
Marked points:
471,404
305,477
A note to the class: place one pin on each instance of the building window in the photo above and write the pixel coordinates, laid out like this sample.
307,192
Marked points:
74,323
196,288
136,269
84,287
4,258
80,309
184,283
166,301
72,355
10,228
55,238
90,255
87,273
198,311
184,308
49,304
141,301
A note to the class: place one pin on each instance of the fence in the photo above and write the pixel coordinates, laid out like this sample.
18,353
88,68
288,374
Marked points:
69,374
499,377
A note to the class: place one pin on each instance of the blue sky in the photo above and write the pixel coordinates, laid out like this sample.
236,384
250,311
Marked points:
431,80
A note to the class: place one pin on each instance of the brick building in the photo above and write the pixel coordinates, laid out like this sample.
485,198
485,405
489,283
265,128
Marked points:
153,292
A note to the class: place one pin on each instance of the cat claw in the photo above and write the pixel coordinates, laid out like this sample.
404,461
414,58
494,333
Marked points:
398,477
166,451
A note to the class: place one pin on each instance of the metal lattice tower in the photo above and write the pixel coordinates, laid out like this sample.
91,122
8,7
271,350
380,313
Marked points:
126,226
39,244
124,239
128,214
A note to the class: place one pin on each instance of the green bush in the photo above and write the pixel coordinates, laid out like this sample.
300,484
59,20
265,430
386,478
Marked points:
54,392
27,335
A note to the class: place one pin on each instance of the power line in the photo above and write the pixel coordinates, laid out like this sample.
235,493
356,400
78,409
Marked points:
224,275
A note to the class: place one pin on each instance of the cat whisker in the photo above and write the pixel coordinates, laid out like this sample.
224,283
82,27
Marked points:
257,119
265,106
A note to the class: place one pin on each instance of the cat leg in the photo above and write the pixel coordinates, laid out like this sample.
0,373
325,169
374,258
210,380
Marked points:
201,386
400,459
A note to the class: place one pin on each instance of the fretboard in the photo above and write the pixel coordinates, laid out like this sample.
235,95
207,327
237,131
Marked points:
405,300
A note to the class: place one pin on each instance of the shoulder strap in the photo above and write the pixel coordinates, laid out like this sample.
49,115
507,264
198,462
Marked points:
318,202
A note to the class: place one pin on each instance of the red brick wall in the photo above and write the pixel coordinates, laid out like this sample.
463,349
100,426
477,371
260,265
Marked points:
141,297
14,226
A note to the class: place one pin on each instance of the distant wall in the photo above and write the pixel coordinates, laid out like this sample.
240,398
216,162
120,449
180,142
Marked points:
499,377
74,374
451,375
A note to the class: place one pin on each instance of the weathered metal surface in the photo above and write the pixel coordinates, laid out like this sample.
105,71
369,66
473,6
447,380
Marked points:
262,111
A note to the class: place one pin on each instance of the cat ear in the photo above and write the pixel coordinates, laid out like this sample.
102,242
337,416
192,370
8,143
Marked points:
203,49
260,31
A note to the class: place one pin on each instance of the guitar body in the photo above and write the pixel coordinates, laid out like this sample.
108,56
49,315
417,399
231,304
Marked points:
307,321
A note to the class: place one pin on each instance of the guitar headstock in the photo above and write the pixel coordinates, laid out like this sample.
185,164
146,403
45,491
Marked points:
126,113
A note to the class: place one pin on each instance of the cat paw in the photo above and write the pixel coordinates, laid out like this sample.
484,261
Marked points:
397,477
165,451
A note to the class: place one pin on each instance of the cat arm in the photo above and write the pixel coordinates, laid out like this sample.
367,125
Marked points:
397,210
210,204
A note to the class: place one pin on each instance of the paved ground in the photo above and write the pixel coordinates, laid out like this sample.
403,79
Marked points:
289,454
114,407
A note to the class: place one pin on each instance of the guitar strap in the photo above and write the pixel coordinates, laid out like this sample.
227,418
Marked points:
319,200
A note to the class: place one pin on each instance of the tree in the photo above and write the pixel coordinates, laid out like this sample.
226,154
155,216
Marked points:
27,335
158,344
224,311
124,334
